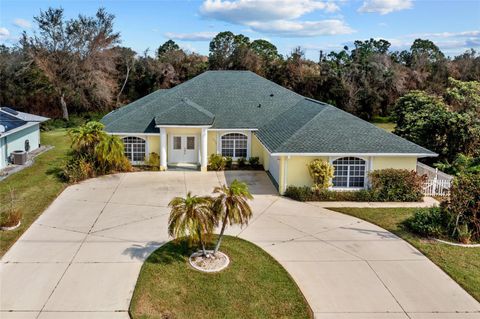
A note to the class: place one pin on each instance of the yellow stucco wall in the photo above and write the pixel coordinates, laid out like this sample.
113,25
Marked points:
298,175
409,163
298,171
212,143
257,149
153,144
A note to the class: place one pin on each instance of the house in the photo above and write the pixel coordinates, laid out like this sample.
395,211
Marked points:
18,131
241,114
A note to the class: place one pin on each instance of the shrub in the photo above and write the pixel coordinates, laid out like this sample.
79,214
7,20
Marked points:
242,161
254,162
464,204
301,194
399,185
10,215
321,173
77,169
228,162
430,222
109,155
154,161
217,162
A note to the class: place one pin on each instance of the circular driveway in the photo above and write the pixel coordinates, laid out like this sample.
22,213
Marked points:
81,258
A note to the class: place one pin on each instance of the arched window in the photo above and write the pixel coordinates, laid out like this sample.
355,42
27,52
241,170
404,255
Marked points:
349,172
234,145
134,148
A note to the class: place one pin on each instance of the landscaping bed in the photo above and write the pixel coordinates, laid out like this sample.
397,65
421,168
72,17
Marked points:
254,285
461,263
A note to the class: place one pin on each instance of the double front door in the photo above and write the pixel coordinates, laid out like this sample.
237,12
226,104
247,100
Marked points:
183,149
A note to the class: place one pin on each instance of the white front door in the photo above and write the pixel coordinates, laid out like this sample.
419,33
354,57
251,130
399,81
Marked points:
183,149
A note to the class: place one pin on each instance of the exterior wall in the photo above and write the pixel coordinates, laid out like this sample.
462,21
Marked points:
3,153
297,171
153,142
16,141
257,150
212,143
409,163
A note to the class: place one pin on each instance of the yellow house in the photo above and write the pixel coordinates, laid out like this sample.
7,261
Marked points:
242,115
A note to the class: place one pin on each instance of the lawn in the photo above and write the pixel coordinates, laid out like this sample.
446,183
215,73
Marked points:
36,186
389,127
253,286
462,264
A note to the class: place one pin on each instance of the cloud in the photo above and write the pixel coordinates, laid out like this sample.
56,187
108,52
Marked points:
385,6
242,11
473,33
288,28
22,23
194,36
4,33
280,17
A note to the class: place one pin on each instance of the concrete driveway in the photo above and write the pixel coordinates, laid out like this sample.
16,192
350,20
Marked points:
81,258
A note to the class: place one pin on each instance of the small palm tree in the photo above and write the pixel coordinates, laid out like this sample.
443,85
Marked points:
85,137
191,216
110,153
231,206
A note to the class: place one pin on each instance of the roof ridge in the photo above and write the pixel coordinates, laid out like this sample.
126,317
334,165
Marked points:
198,107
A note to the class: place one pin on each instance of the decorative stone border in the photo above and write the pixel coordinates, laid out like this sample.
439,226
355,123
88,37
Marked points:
198,253
12,227
458,244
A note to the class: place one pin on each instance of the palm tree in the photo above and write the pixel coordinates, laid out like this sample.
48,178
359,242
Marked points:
191,216
85,137
110,153
231,206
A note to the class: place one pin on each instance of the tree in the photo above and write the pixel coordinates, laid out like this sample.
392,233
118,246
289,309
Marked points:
464,96
125,64
168,46
110,153
223,48
426,49
231,207
191,216
86,137
265,49
75,55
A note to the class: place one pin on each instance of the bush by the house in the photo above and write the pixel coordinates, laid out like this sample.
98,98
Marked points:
154,161
458,218
228,162
429,222
216,162
241,162
254,161
321,173
94,153
399,185
305,194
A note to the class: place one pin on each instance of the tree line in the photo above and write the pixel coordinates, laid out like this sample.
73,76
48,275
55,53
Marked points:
78,65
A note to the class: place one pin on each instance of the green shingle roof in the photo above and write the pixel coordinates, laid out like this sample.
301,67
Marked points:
286,121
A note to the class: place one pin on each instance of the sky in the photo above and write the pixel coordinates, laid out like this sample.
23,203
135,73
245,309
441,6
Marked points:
313,25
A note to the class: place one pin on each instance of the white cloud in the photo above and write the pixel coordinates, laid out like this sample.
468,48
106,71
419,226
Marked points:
288,28
22,23
194,36
242,11
385,6
276,17
4,33
473,33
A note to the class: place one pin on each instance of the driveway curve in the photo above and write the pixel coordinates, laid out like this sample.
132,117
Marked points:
81,258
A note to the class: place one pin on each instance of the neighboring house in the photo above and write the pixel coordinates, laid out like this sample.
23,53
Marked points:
241,114
18,131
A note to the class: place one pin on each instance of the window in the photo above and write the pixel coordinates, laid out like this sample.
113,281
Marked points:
234,145
190,142
349,172
134,148
177,142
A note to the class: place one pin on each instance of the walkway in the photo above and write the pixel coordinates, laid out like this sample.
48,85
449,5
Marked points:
81,258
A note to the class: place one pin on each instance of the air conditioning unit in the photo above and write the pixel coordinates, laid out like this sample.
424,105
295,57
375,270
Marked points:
19,157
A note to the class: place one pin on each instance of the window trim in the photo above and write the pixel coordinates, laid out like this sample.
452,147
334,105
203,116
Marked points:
367,170
146,149
242,132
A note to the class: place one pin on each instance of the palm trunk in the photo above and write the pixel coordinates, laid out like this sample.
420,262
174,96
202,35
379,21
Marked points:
63,104
123,86
219,241
202,243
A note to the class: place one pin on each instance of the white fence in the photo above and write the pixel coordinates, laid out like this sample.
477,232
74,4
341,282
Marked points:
438,183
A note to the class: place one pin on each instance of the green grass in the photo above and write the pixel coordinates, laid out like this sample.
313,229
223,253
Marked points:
36,186
389,127
253,286
462,264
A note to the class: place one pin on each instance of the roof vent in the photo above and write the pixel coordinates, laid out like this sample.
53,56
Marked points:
271,94
259,105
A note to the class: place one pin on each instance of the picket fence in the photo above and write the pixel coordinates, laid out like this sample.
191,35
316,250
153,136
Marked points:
437,184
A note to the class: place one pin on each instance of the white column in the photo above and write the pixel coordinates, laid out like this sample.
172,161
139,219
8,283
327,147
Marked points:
163,149
204,150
